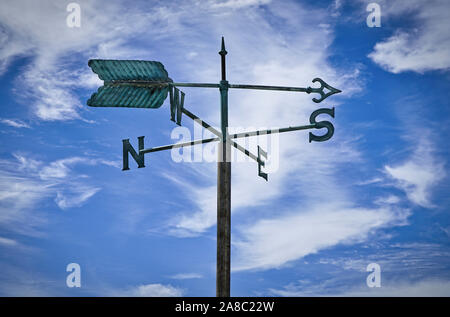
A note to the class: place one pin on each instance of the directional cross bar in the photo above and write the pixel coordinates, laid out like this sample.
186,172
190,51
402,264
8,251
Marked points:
272,131
195,142
178,145
308,90
216,132
138,156
231,136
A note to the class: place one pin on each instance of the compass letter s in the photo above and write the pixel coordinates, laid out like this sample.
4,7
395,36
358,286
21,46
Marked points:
322,124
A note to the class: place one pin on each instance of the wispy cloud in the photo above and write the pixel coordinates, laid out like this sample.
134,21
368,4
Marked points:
423,288
17,281
265,57
25,183
39,30
407,269
271,243
388,200
150,290
418,49
15,123
76,197
418,175
19,195
423,168
8,242
238,4
186,276
307,170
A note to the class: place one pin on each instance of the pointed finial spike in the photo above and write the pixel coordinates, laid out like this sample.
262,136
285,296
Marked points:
222,50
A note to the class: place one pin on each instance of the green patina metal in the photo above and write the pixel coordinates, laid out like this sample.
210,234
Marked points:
128,96
137,156
130,83
219,134
261,162
322,124
178,145
176,104
308,90
110,70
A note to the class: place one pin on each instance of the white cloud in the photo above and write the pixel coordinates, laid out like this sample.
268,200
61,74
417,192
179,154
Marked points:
426,288
152,290
8,242
77,197
14,123
422,48
59,168
238,4
389,200
422,288
18,281
48,82
26,163
370,181
407,269
271,243
39,30
412,260
19,196
185,276
418,175
264,55
307,171
25,183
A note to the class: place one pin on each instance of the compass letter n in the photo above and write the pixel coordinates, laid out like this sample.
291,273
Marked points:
128,148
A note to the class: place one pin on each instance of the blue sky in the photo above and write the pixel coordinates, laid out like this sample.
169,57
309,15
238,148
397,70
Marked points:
377,192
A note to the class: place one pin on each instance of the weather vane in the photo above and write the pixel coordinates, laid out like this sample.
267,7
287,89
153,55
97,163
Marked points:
146,84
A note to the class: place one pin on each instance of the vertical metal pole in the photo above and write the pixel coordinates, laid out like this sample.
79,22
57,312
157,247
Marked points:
223,192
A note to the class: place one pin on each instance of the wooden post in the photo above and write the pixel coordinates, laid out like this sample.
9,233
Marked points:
223,223
223,192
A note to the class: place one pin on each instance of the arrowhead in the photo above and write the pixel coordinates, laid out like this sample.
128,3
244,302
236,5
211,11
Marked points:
320,90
